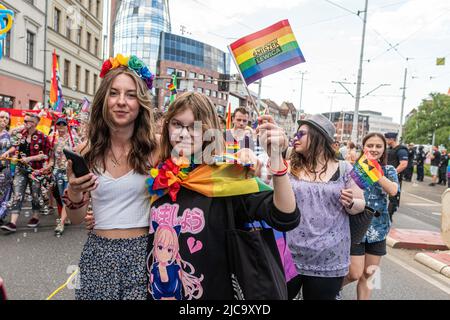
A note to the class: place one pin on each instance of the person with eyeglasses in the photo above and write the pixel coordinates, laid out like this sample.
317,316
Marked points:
62,138
326,196
32,148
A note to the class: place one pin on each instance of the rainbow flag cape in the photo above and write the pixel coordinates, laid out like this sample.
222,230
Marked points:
266,52
366,172
17,117
211,181
56,96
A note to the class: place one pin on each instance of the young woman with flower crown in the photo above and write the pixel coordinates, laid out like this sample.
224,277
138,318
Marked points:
120,148
187,245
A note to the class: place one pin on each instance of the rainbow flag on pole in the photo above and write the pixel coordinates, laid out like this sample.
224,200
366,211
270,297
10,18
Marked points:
56,96
266,52
366,172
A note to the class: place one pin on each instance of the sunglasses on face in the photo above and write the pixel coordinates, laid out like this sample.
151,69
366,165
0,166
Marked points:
300,134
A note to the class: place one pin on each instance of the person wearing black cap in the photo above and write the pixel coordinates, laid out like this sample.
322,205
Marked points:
397,157
420,160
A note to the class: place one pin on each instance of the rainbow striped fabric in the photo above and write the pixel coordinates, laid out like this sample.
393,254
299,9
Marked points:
366,172
266,52
211,181
17,116
56,95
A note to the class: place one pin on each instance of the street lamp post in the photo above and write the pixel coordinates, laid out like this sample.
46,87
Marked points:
45,55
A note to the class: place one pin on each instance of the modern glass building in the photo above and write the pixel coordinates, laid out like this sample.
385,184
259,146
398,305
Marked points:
188,51
137,28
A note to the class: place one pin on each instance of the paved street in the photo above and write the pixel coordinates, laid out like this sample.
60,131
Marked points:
34,262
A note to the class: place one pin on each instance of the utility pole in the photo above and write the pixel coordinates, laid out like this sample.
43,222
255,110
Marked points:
301,91
45,55
403,106
259,95
358,86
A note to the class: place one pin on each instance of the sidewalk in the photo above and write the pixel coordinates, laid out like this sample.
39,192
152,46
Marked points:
438,261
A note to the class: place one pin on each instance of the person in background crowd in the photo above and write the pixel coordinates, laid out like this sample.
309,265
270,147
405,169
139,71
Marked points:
62,139
420,161
336,149
343,150
239,134
435,157
222,122
410,168
366,256
398,158
351,155
443,167
320,245
33,148
5,174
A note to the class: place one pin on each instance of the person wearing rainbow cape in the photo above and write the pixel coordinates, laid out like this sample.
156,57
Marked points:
379,181
187,244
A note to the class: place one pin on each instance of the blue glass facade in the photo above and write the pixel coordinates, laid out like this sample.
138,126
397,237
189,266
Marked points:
192,52
137,28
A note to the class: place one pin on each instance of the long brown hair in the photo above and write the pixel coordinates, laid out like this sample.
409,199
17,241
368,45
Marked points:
143,140
318,145
203,109
383,159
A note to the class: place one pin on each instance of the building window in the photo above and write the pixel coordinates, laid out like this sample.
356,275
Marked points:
6,45
6,102
97,9
68,25
170,71
210,79
96,47
192,75
88,41
66,72
56,20
201,77
31,104
214,94
86,81
200,90
95,82
80,29
30,48
77,77
208,92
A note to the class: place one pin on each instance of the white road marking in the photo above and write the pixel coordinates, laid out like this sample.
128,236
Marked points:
416,204
413,195
436,213
421,275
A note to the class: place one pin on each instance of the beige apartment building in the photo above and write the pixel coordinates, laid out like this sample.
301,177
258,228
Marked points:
75,32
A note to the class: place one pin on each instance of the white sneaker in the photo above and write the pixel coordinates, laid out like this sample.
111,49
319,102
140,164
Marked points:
59,227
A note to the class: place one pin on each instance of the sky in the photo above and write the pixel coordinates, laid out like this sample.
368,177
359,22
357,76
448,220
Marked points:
329,34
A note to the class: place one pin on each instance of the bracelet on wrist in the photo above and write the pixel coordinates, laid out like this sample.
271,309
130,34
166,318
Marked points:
75,205
279,173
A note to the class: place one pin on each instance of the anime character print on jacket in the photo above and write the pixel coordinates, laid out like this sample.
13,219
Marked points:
171,277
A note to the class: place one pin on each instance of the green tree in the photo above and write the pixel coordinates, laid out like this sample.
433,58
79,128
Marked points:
432,116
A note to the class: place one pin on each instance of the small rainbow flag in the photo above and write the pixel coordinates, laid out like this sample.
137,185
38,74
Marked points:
173,88
366,172
266,52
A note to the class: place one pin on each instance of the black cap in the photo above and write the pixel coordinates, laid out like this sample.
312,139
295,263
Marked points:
391,135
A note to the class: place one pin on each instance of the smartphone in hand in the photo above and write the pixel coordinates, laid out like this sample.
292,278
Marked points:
79,165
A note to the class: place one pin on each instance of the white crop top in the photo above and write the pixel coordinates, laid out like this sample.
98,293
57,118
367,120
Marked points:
122,203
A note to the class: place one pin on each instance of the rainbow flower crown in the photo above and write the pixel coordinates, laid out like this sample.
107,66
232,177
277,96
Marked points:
133,63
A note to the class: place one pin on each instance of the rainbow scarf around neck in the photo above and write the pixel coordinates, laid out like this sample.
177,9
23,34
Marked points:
366,172
209,180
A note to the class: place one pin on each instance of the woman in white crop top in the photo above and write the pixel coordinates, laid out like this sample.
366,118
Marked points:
120,148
